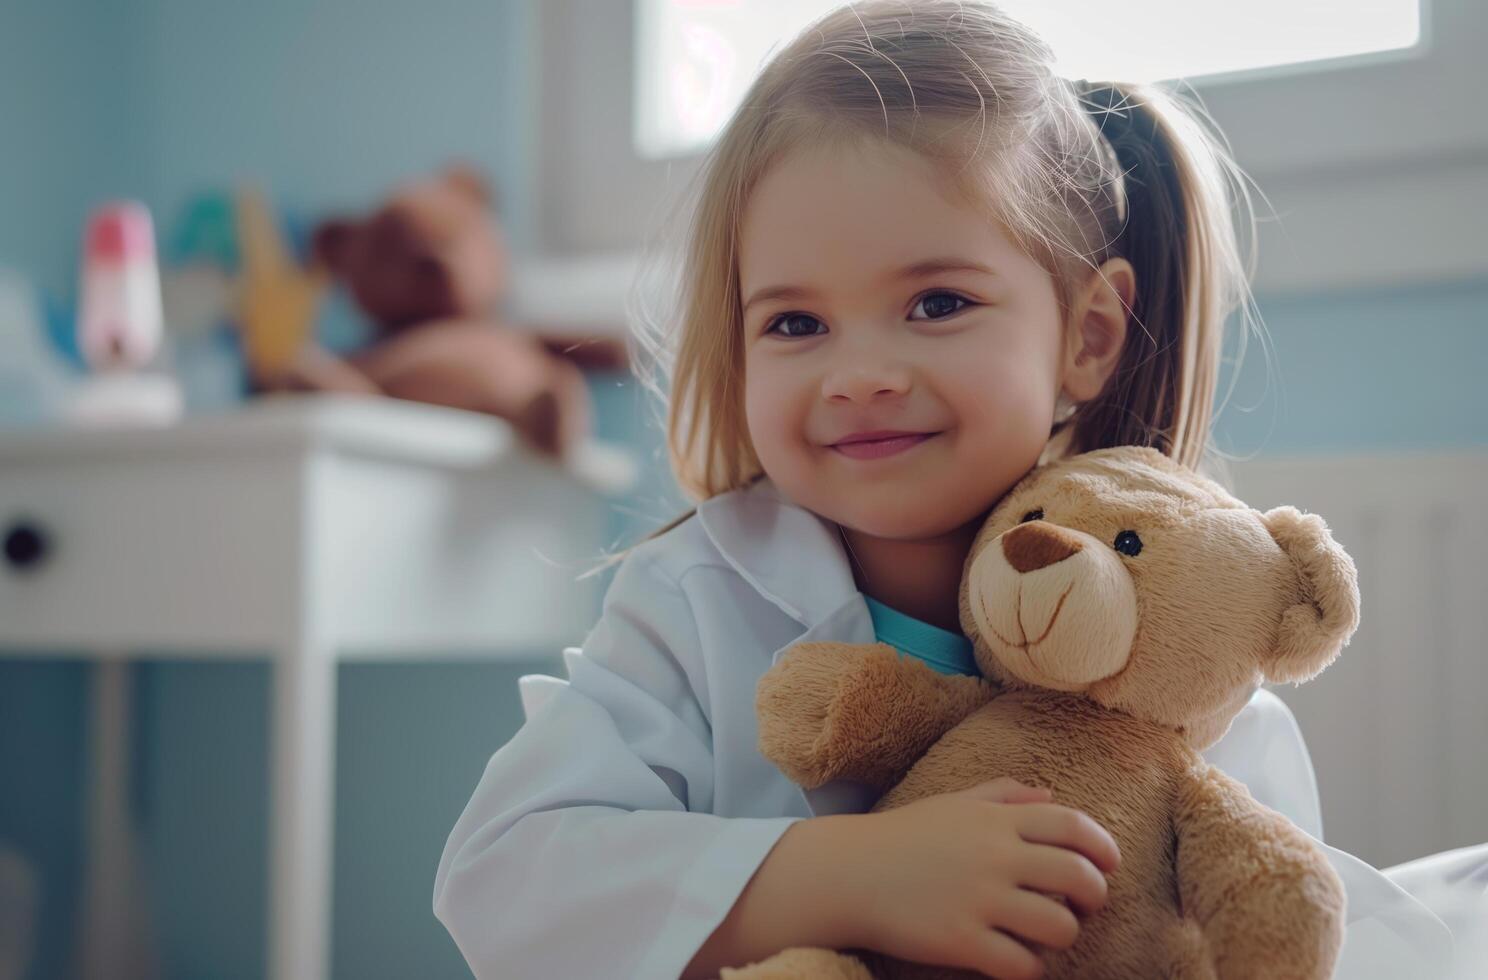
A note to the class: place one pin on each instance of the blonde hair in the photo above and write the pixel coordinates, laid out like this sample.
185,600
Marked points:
1076,173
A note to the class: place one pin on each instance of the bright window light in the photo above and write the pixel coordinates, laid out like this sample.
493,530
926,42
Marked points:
696,58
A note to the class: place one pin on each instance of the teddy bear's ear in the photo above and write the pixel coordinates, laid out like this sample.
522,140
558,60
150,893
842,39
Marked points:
329,241
469,181
1326,612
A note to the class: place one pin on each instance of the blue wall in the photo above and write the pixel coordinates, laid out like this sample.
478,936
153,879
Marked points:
1381,368
324,105
63,138
329,103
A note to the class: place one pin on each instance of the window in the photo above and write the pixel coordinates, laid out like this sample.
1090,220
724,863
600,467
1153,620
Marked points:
696,58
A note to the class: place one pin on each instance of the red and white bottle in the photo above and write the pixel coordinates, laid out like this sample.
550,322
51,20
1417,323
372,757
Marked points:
120,325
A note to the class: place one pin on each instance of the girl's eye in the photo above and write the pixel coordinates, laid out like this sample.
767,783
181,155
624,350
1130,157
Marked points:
790,323
938,306
1128,544
1037,514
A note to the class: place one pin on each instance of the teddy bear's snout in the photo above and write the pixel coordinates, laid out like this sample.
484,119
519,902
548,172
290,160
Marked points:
1054,608
1038,544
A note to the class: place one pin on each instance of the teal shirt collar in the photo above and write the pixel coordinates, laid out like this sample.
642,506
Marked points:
944,651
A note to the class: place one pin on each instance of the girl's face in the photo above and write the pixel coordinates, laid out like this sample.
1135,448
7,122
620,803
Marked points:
874,303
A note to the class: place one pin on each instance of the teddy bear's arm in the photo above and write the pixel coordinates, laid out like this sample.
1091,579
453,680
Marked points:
1263,894
857,711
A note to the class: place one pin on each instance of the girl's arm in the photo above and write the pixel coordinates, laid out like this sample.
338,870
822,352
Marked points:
796,898
588,848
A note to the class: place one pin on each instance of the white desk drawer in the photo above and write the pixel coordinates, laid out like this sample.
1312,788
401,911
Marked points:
464,562
173,551
366,527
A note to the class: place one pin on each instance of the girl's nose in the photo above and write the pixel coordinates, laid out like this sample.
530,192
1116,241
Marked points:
863,382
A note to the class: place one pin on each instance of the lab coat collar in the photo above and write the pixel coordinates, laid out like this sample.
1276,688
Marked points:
797,561
791,556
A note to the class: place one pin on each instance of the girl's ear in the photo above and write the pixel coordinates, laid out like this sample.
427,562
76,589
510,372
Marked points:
1096,332
1326,612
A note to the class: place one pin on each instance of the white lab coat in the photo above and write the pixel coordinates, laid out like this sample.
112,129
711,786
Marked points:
614,831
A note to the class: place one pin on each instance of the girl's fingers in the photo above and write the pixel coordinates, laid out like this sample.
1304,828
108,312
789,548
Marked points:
996,954
1036,918
1062,872
1007,790
1062,827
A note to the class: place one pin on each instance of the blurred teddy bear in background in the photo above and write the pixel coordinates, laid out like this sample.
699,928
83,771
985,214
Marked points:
428,269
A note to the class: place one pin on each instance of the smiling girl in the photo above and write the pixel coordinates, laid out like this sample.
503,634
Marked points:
920,263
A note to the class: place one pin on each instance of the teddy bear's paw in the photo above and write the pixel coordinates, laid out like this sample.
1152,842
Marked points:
802,963
796,703
791,703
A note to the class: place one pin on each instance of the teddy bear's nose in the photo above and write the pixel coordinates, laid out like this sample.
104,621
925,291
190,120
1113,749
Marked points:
1036,545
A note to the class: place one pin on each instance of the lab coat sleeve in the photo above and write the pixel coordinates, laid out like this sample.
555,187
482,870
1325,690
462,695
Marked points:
587,849
1389,934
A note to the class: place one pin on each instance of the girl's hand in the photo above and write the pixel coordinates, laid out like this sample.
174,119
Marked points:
971,879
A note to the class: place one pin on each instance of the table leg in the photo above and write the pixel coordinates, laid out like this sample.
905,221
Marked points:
302,778
116,940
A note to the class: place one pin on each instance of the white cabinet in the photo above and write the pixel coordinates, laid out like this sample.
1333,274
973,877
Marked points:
308,530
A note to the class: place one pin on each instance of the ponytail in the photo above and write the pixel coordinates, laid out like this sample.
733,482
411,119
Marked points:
1176,230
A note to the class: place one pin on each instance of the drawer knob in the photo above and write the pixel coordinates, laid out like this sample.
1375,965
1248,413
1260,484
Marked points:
26,546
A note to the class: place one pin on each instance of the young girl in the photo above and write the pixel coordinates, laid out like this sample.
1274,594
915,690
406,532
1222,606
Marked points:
917,253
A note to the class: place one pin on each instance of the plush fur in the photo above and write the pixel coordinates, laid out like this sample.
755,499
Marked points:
1105,675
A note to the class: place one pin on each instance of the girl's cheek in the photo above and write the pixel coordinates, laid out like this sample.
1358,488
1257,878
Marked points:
1004,399
776,382
767,412
1005,362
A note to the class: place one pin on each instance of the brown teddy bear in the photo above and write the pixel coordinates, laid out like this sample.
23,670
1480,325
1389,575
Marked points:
428,268
1123,609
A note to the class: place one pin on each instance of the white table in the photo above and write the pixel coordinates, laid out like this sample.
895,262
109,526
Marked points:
310,530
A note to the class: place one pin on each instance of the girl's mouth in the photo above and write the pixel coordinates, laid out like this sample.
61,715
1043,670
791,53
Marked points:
879,448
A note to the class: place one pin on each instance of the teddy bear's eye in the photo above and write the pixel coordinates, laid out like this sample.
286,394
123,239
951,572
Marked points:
1037,514
1129,544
